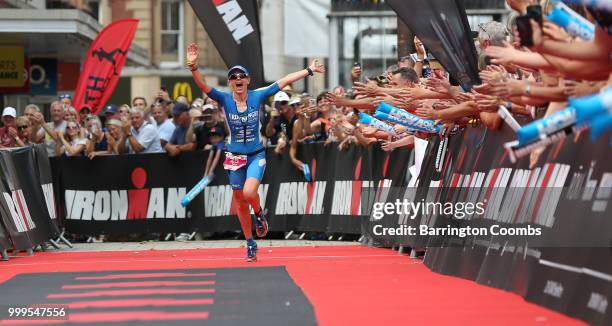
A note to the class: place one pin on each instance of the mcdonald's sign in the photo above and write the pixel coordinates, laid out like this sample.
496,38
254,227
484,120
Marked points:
181,86
182,89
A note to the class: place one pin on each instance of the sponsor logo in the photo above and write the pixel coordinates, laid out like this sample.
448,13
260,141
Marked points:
49,199
237,23
18,209
554,289
598,302
218,200
300,198
129,204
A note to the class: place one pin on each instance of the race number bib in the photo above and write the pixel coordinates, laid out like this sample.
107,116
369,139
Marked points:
234,162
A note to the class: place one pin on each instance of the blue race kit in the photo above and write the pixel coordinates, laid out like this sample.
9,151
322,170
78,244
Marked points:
245,138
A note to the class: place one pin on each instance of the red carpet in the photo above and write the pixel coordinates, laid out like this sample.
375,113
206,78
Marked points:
348,285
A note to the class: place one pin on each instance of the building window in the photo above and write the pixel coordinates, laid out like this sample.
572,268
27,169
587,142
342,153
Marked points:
171,34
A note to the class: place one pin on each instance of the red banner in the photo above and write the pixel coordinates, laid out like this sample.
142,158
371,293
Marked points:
103,64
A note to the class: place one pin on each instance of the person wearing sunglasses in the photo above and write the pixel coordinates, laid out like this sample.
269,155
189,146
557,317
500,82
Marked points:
24,136
71,143
245,157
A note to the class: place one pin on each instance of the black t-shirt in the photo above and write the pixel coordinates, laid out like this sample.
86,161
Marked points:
285,126
202,133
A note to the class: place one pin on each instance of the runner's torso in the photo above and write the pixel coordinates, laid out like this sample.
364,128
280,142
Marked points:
245,127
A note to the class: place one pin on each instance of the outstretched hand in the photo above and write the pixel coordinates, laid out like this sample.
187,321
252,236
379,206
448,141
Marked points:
315,66
192,55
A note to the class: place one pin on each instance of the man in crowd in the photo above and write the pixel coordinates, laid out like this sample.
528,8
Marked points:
200,133
178,142
165,127
282,118
111,112
139,136
49,131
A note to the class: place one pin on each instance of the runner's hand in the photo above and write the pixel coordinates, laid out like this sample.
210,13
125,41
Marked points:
192,55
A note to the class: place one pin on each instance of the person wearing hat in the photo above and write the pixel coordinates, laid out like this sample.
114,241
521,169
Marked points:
178,142
200,133
282,117
245,158
111,111
8,132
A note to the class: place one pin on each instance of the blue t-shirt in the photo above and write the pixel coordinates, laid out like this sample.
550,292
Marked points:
245,127
179,136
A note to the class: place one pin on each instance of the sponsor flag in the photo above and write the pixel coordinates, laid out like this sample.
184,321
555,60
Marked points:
233,26
103,64
443,28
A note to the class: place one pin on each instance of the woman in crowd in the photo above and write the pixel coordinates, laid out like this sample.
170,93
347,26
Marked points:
71,143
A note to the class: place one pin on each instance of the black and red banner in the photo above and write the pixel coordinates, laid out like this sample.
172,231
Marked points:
103,63
233,26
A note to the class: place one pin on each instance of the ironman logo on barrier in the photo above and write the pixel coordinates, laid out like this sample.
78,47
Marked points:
236,22
20,214
128,204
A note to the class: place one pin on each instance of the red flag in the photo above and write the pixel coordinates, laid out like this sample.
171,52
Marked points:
103,64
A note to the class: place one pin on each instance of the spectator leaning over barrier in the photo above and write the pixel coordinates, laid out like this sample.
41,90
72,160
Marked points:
71,143
200,133
139,136
8,132
49,131
165,127
25,135
178,142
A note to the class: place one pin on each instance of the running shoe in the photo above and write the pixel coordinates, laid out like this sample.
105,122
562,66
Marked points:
261,224
251,253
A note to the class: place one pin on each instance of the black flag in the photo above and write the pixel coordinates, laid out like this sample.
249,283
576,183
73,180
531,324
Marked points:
443,28
233,26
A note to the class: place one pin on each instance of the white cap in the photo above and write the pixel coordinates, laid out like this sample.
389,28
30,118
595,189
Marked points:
295,100
9,111
281,96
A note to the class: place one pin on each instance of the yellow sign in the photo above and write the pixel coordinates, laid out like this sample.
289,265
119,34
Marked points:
11,67
182,89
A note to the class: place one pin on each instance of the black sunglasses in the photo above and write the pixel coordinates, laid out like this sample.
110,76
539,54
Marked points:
22,127
237,76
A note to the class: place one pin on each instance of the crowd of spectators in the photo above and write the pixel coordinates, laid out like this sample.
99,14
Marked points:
533,82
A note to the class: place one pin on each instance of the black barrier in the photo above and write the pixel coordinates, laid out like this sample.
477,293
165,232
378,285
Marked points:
142,193
568,269
26,221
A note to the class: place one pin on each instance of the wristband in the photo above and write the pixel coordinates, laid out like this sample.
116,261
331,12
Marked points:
310,73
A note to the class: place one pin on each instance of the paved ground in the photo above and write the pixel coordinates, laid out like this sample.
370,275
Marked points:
208,244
